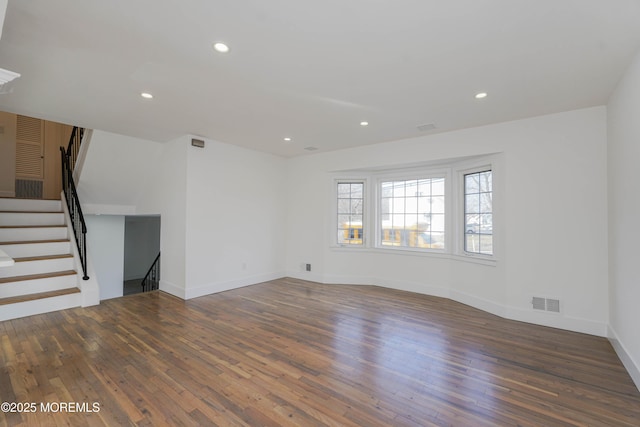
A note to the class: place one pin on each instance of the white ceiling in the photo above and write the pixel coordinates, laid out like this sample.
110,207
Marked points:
311,70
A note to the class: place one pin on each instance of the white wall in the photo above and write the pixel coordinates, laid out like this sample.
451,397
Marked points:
124,175
232,216
551,226
235,217
222,208
127,163
105,246
8,124
141,245
624,205
165,195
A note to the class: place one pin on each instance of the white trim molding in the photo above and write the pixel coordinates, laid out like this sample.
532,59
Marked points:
632,366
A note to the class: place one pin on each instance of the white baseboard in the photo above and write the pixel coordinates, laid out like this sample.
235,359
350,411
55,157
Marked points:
553,320
513,313
479,303
172,289
627,360
212,288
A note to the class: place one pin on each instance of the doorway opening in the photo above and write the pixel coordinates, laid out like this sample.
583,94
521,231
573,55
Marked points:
141,248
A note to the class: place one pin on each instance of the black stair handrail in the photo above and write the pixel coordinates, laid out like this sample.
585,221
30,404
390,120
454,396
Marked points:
71,196
74,146
152,278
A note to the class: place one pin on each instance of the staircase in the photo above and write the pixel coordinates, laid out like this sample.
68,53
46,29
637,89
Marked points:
44,277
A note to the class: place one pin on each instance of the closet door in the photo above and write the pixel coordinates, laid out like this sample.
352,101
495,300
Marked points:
29,157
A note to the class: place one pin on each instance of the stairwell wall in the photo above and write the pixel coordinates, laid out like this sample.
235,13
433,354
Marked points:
624,203
7,154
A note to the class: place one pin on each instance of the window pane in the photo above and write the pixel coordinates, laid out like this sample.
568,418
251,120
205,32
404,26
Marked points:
486,224
478,219
424,187
437,240
387,189
486,181
437,223
471,183
472,203
437,187
472,223
344,190
424,205
344,221
350,213
356,206
437,204
406,218
344,206
472,243
398,220
485,203
356,190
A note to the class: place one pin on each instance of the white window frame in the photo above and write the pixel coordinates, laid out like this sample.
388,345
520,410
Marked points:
480,165
408,175
453,171
366,211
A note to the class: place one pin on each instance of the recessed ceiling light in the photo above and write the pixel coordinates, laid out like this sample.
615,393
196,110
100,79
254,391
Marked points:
481,95
146,95
363,123
221,47
287,139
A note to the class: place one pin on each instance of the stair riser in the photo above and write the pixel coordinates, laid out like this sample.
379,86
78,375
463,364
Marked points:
26,268
28,287
30,205
46,305
36,249
26,234
30,218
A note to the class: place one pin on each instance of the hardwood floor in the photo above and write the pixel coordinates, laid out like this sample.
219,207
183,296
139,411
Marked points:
290,352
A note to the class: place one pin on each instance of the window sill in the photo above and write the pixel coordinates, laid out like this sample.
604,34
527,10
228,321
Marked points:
490,262
475,259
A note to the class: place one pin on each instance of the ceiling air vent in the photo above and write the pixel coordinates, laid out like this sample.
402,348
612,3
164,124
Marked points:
311,148
426,127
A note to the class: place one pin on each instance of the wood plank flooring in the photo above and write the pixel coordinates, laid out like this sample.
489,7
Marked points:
295,353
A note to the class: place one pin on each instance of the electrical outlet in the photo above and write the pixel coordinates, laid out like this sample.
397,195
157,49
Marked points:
308,267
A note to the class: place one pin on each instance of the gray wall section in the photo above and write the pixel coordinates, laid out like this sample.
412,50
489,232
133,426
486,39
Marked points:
141,245
105,246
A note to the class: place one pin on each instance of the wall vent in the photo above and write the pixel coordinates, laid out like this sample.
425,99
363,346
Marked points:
553,305
546,304
28,189
538,303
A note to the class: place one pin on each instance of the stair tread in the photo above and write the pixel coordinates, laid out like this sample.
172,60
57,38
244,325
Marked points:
37,276
35,241
30,198
41,295
36,212
42,257
33,226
